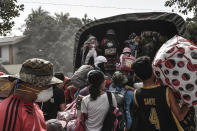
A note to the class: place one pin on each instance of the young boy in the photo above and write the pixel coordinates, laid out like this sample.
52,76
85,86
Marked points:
158,109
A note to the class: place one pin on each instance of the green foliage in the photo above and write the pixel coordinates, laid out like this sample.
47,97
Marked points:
191,31
9,9
184,6
50,38
86,20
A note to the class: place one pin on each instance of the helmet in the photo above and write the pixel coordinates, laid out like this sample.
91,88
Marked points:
126,50
99,59
110,31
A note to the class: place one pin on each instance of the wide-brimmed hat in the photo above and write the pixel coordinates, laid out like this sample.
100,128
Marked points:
119,79
38,72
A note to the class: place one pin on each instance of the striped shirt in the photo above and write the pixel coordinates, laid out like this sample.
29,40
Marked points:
18,115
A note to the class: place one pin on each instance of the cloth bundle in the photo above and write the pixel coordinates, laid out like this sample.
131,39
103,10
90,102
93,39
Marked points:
175,64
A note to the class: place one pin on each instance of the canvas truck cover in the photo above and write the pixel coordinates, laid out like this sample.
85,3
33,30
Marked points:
167,24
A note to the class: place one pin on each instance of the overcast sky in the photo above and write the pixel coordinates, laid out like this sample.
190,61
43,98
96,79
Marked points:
94,8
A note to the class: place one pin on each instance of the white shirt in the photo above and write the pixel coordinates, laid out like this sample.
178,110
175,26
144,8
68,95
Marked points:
96,111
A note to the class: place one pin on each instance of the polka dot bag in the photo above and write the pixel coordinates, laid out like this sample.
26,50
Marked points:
175,64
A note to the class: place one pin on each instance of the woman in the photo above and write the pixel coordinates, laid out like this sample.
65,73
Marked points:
95,106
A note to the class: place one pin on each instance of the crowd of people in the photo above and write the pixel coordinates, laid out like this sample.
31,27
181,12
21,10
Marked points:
42,100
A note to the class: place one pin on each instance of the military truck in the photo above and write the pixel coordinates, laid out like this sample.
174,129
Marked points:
166,24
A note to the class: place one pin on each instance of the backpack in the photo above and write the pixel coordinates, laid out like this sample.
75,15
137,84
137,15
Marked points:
127,62
112,121
120,98
109,47
110,51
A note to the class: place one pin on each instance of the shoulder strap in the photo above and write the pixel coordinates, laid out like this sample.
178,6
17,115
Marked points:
135,97
109,96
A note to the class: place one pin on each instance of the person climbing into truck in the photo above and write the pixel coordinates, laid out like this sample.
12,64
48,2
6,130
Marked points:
89,50
110,49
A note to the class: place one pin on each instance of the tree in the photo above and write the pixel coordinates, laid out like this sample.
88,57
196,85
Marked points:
9,9
184,6
85,20
41,32
50,38
191,31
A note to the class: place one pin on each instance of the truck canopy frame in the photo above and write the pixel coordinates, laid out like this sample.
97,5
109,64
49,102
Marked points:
167,24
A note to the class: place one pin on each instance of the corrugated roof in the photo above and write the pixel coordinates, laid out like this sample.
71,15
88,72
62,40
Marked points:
11,40
13,69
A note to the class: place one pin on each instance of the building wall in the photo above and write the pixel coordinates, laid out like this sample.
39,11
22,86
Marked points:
4,54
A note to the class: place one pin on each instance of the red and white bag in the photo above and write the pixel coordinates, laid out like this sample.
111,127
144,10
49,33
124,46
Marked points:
176,65
69,113
127,62
76,124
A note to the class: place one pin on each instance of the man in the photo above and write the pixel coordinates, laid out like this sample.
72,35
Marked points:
111,50
19,111
158,109
56,102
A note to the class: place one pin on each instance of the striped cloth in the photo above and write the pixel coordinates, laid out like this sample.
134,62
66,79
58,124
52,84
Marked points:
18,115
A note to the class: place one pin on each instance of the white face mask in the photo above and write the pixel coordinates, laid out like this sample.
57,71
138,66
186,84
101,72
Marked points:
45,95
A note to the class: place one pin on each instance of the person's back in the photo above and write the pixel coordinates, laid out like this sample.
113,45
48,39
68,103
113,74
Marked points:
157,106
16,114
123,95
154,108
96,111
95,106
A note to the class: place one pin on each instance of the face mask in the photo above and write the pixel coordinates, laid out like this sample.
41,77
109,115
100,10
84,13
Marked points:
45,95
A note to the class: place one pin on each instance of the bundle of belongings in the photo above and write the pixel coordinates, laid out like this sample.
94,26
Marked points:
176,66
79,78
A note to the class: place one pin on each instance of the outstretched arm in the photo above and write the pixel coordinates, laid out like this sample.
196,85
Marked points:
179,112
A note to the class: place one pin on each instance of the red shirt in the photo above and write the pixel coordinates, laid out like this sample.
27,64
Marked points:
17,115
